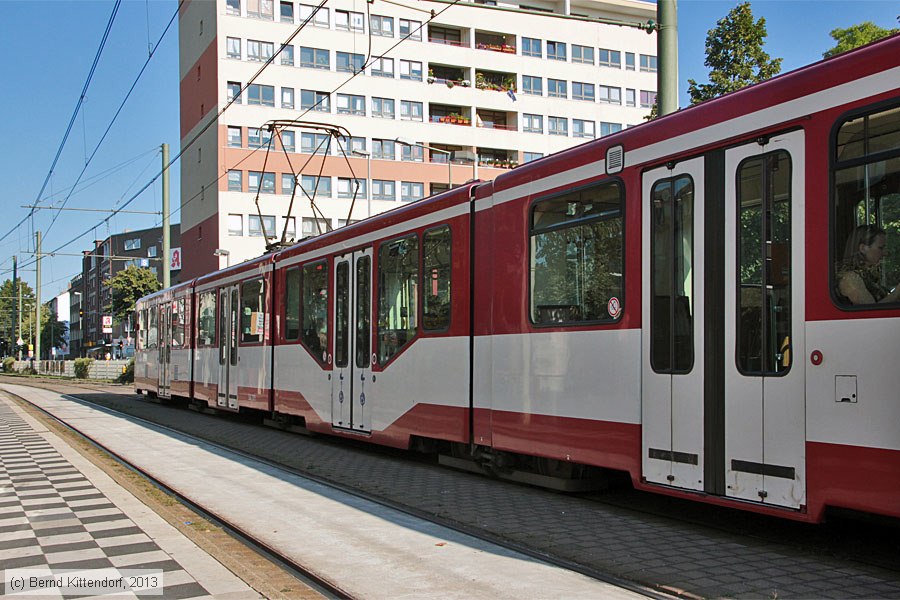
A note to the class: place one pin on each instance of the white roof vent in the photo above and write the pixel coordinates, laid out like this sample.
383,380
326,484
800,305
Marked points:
615,159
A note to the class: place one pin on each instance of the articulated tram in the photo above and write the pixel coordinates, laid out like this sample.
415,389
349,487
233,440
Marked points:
663,302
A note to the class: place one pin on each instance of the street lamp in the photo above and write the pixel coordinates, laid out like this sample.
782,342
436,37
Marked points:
368,156
407,142
225,253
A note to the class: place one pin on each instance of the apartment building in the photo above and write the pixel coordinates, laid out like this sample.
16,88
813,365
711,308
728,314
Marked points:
367,106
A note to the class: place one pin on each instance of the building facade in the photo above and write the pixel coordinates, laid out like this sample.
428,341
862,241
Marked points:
369,105
91,297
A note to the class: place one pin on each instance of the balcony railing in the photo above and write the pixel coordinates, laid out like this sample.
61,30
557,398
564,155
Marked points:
505,48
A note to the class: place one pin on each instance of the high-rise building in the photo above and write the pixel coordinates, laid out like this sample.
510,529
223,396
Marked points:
367,105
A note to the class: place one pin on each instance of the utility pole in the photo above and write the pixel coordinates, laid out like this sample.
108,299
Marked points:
166,275
667,49
37,299
15,316
20,340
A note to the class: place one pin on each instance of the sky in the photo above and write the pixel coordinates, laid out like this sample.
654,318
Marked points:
49,49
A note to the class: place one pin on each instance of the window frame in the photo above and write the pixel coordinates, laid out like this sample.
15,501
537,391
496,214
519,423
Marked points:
449,322
263,304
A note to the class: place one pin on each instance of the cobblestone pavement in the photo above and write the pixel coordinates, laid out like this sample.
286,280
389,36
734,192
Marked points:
666,543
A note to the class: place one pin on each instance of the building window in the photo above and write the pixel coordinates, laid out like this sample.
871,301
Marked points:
577,255
383,108
648,99
257,138
133,244
233,47
412,153
287,97
313,100
648,63
234,137
287,141
346,187
410,110
235,183
383,67
261,9
315,143
287,55
582,129
321,18
234,92
556,50
611,58
255,226
411,29
233,7
609,95
556,88
350,104
532,85
531,47
263,183
289,226
629,61
411,190
349,62
314,58
287,12
312,227
383,149
582,91
352,144
530,156
558,125
532,123
316,186
383,189
260,51
630,97
262,95
288,181
151,252
608,128
383,26
411,69
348,19
582,54
235,224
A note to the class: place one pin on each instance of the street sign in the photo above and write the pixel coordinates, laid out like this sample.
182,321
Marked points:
107,323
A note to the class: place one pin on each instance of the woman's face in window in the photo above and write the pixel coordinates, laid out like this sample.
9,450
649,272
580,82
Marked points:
873,252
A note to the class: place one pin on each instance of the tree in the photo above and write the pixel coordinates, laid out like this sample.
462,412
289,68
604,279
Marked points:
735,56
128,286
8,306
856,36
53,331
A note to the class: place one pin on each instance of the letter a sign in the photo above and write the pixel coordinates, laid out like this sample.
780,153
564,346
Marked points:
175,259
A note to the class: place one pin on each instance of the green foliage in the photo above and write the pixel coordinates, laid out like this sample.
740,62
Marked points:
53,331
9,364
9,304
735,56
129,285
81,367
856,36
127,375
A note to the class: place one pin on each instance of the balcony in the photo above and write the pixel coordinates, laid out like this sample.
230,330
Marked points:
449,114
449,36
495,42
498,158
493,119
496,81
448,75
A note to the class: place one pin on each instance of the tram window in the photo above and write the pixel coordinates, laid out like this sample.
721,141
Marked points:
178,323
252,311
866,176
671,280
764,264
577,255
363,311
142,329
292,304
151,328
315,308
436,288
207,321
342,315
398,280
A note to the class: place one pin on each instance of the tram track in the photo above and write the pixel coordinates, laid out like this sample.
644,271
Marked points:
874,548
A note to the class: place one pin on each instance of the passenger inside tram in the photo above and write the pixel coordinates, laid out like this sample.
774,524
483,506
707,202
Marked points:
859,275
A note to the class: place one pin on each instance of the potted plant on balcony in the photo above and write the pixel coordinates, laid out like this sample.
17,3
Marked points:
480,81
430,76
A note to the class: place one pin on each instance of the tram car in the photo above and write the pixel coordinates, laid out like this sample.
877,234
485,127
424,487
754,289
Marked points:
678,301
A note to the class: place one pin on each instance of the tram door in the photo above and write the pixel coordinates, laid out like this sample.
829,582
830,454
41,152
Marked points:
672,370
350,407
765,432
165,350
228,348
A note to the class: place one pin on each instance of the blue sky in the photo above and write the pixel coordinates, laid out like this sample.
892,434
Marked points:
49,48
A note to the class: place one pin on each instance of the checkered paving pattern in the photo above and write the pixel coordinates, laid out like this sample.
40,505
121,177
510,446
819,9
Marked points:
52,516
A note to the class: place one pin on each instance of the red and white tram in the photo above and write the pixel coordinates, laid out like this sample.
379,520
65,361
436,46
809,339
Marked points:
662,301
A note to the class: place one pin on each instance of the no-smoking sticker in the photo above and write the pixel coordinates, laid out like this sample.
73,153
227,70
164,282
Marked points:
613,307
